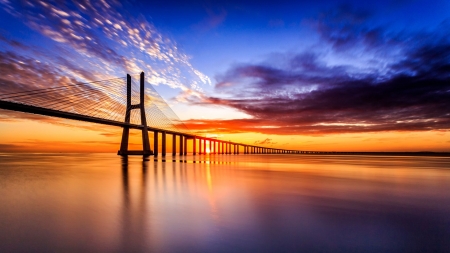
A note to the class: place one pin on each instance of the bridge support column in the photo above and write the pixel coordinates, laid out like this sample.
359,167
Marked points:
155,143
174,144
163,148
204,146
194,146
146,151
181,145
185,145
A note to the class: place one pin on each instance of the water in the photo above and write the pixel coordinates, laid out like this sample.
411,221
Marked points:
224,203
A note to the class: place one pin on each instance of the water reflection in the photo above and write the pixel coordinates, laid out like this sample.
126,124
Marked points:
225,203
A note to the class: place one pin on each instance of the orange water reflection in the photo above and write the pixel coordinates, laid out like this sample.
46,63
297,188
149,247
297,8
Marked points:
224,203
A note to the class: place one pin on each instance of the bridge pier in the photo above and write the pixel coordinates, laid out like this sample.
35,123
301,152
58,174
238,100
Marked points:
181,145
194,146
185,145
204,146
155,143
174,144
163,148
146,151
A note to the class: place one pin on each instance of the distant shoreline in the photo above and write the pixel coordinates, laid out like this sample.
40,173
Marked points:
421,153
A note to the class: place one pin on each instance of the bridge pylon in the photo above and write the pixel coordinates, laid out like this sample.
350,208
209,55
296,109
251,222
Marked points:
146,151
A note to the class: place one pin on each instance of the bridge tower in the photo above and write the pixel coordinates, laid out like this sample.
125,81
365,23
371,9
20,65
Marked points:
146,151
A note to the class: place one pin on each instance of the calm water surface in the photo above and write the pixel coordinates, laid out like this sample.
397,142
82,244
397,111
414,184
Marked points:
244,203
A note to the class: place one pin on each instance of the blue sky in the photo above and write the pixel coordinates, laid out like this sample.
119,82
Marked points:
219,33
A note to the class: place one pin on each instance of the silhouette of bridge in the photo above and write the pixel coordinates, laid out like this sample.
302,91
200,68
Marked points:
123,103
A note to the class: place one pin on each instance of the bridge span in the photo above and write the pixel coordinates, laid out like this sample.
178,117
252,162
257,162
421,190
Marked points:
51,102
121,102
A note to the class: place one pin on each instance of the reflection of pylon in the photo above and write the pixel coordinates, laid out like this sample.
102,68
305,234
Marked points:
126,130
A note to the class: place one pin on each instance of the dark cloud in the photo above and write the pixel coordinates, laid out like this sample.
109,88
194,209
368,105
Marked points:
304,95
11,147
20,73
343,27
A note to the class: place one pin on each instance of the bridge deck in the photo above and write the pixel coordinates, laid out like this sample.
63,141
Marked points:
13,106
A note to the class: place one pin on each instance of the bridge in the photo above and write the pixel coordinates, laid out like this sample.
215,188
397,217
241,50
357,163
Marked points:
121,102
124,103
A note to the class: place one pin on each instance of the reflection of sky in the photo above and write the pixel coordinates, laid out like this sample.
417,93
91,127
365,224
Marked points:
225,203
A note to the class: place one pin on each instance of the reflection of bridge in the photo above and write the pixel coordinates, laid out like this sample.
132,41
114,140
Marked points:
115,102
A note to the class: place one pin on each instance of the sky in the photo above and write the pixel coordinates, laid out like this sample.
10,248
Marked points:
305,75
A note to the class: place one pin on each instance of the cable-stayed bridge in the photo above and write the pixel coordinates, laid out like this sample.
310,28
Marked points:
125,103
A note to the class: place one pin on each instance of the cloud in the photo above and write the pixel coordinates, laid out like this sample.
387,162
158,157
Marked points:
103,39
266,141
303,93
36,145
